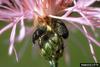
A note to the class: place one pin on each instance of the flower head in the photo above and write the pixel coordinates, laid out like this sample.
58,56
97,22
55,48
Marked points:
16,11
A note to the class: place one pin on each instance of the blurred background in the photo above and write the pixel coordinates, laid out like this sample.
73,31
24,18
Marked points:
76,51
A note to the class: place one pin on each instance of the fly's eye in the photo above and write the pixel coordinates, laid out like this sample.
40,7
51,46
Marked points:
38,33
60,28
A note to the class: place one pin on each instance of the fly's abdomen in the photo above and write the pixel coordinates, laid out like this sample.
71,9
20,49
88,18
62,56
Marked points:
51,46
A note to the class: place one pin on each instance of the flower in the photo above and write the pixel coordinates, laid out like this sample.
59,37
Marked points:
16,11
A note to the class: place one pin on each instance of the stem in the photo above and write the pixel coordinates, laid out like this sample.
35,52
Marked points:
53,63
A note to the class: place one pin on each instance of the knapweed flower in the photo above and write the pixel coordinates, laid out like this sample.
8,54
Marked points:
16,11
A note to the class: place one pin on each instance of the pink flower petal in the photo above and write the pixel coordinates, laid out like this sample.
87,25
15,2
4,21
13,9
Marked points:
84,3
22,31
12,38
6,28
